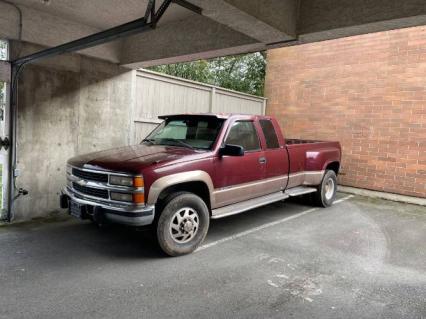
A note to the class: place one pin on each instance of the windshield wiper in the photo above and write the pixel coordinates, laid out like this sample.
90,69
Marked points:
149,140
152,140
179,142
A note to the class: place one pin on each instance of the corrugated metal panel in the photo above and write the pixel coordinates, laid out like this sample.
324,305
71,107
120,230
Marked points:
158,94
231,103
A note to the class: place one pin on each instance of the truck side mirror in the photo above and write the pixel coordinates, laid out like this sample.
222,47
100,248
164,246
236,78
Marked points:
231,150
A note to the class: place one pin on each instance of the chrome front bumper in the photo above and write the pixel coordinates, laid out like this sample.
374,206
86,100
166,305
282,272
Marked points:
133,215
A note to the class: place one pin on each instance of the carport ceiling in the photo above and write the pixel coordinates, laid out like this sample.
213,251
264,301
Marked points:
109,13
225,26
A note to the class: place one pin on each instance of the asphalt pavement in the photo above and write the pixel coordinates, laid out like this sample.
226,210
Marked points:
360,258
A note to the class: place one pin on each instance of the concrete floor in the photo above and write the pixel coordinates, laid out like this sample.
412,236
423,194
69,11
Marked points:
360,258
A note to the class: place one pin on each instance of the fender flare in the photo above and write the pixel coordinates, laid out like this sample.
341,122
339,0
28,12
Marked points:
330,162
174,179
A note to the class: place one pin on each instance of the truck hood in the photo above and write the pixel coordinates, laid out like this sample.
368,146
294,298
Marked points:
133,159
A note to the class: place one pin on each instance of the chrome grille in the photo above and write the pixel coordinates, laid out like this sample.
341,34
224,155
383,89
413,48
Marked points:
91,176
96,192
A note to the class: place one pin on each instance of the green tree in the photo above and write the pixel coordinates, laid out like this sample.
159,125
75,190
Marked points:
244,73
3,50
195,71
3,55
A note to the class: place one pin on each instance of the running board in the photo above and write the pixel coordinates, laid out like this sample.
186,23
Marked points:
300,190
260,201
247,205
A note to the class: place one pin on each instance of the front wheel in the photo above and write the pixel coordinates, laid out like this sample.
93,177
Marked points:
326,193
183,224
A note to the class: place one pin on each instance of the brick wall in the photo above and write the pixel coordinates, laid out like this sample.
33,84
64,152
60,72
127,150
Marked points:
368,92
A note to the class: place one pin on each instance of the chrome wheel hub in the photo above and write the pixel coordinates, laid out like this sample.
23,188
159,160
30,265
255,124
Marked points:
188,227
184,225
329,189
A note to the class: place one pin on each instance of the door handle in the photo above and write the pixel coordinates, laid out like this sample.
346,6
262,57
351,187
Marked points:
262,160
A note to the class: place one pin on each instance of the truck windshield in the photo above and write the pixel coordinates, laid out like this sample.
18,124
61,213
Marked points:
197,133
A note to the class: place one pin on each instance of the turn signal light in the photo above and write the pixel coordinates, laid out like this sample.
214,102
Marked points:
138,181
139,198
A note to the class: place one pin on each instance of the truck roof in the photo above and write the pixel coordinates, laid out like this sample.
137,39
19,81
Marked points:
224,116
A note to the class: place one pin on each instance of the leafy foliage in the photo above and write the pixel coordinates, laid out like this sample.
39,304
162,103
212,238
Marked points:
244,73
3,55
2,94
3,50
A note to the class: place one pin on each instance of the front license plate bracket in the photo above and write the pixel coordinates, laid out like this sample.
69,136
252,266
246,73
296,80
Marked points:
76,209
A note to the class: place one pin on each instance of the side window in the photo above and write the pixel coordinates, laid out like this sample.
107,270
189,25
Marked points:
270,134
244,133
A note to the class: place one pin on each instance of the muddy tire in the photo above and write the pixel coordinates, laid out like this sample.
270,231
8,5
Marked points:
183,224
326,193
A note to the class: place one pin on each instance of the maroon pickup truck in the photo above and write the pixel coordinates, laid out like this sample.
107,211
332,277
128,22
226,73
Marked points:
197,167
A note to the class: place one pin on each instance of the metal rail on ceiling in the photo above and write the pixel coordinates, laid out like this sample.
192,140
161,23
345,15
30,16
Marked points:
147,22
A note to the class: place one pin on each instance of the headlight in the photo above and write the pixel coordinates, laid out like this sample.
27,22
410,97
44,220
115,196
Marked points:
126,181
121,180
122,197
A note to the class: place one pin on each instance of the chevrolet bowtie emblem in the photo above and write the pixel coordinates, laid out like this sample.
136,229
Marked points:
81,182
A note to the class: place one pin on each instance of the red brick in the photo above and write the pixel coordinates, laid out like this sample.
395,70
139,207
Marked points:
368,92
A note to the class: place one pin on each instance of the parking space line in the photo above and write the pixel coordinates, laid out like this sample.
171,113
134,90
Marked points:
255,229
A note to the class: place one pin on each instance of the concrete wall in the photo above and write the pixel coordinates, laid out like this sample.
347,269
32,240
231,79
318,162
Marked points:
67,106
368,92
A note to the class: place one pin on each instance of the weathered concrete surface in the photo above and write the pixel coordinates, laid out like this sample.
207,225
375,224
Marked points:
42,28
330,19
358,259
67,106
225,27
198,37
4,71
281,15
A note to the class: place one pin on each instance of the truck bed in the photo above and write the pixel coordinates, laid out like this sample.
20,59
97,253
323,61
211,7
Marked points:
306,155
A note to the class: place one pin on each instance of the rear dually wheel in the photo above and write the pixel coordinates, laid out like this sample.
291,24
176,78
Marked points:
326,193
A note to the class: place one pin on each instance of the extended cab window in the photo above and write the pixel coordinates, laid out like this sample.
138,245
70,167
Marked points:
244,133
270,134
198,132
